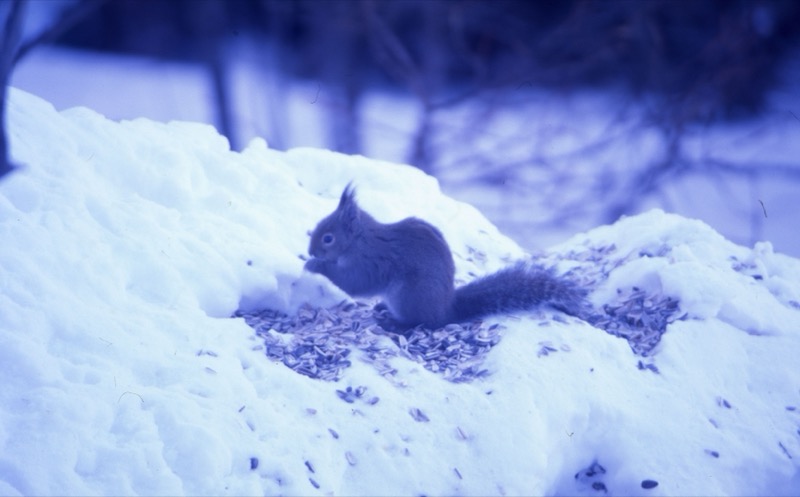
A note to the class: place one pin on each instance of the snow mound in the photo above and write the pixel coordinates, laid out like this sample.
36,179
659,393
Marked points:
128,245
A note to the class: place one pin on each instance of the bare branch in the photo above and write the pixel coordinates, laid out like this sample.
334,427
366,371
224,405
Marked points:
788,170
389,50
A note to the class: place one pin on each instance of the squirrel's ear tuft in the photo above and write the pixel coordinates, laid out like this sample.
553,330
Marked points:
348,209
348,195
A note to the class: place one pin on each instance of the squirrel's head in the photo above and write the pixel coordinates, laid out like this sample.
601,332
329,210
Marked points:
334,234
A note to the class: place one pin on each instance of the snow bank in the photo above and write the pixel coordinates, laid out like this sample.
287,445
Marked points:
127,246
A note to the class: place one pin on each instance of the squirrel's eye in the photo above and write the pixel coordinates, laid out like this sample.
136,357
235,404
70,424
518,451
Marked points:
328,238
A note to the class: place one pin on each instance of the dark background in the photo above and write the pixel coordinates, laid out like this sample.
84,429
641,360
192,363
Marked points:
687,67
705,60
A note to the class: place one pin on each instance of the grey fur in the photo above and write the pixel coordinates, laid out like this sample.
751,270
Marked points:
410,265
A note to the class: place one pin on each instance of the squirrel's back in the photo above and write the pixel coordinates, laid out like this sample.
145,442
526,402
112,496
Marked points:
421,285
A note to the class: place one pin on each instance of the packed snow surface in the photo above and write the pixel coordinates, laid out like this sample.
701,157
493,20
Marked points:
128,245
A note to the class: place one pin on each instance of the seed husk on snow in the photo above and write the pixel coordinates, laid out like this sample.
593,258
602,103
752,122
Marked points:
320,343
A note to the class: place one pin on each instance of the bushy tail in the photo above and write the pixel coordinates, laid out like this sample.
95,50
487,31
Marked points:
516,288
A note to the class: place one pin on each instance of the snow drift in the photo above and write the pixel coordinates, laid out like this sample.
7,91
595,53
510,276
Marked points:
128,245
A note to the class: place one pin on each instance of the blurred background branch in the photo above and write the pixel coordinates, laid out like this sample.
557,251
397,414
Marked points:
13,13
66,21
12,50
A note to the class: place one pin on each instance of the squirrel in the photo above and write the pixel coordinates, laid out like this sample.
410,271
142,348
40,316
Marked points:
410,265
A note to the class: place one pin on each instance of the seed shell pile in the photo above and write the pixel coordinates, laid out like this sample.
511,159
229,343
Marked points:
319,343
639,317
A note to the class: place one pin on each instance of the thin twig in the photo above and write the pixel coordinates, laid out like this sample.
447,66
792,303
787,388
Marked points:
130,393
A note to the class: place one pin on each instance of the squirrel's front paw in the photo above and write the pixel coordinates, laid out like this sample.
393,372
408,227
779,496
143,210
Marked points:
381,312
313,265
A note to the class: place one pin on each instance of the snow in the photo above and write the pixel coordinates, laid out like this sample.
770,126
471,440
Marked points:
127,245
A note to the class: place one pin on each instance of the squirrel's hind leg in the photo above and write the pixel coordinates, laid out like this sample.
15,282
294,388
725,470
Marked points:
419,303
386,320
